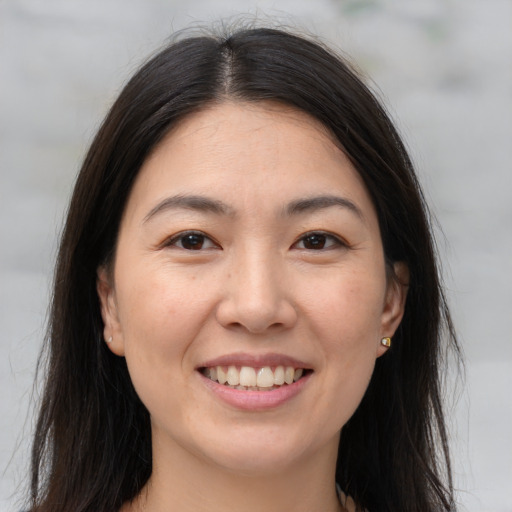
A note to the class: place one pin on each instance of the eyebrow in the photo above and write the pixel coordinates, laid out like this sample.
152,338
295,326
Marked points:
322,202
196,203
207,204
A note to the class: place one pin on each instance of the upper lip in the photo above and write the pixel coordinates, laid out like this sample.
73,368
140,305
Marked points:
254,361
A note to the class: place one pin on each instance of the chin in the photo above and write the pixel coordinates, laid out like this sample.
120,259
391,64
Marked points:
259,453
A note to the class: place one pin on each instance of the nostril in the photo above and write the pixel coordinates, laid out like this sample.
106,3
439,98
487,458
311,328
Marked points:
256,311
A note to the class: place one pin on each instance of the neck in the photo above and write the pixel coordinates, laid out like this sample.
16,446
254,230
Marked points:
188,483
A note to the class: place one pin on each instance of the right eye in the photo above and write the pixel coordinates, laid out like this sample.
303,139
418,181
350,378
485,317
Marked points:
192,241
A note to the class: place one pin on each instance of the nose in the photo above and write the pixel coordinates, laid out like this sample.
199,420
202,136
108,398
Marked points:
255,296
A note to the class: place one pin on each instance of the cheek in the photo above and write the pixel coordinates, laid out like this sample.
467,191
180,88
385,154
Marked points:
160,316
348,310
155,303
346,318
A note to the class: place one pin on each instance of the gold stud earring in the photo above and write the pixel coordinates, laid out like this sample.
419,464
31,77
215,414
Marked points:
385,342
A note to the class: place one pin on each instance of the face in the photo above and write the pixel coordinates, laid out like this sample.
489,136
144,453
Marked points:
249,252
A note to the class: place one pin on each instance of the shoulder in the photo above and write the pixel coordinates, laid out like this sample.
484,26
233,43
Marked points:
346,501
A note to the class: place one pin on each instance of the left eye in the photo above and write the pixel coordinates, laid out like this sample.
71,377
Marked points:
192,241
317,241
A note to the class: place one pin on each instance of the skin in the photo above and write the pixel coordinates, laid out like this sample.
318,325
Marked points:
257,284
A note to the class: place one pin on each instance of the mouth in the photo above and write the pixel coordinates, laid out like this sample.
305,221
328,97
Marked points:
248,378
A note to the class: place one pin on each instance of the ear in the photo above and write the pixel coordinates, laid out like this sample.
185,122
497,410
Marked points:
111,324
394,305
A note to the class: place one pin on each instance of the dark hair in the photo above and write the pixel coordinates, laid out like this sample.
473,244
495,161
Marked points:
92,447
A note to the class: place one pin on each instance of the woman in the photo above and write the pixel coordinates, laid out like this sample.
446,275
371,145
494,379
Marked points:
247,311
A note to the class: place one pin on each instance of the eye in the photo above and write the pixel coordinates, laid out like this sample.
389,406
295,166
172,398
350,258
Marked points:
317,241
192,241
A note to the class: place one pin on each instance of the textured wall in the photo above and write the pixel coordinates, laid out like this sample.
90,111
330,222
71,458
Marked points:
444,68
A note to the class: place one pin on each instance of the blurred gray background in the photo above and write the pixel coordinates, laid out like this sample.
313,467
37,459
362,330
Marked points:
443,67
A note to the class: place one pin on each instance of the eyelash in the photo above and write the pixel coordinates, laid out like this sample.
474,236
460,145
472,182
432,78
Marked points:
175,240
331,240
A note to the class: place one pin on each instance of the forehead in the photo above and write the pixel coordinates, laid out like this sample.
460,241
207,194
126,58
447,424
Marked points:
263,150
247,119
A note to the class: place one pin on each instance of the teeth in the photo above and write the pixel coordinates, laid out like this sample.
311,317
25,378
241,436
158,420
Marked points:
254,379
247,376
279,376
233,376
221,375
265,377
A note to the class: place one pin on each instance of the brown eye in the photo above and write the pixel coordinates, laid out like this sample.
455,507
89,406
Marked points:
192,241
318,241
315,241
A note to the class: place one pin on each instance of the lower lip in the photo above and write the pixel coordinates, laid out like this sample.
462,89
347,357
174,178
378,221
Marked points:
256,400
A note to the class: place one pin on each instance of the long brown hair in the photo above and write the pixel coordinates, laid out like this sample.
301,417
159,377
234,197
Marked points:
92,446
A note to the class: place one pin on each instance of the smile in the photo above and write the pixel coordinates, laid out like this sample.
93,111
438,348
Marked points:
248,378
